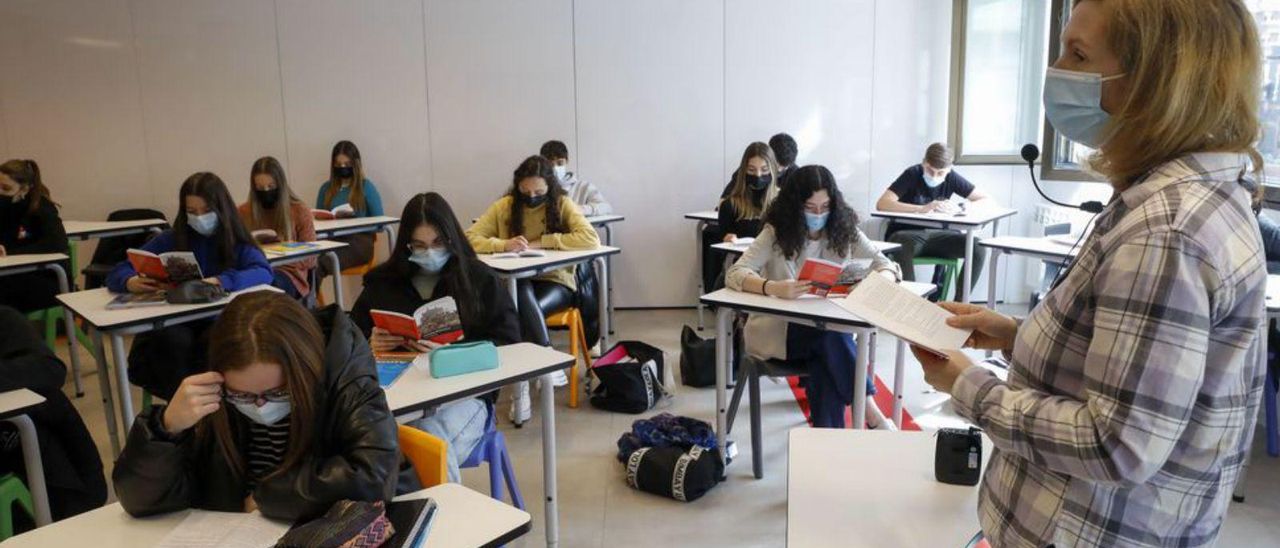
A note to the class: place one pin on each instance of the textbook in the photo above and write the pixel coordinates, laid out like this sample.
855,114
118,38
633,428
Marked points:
341,212
233,529
265,236
137,300
412,520
519,254
904,314
284,248
833,279
436,321
174,267
390,370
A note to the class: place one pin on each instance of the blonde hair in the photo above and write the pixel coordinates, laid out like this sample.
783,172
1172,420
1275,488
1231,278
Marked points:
1193,75
740,195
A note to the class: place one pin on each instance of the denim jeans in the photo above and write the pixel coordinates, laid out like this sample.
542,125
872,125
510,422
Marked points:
461,425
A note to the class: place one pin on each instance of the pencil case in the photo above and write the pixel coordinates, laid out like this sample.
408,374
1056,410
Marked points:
462,358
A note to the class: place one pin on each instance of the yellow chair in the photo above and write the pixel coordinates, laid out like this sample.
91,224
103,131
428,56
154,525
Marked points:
427,453
358,270
571,318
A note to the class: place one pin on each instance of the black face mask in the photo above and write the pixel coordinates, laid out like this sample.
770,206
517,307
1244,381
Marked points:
533,201
759,182
345,172
268,198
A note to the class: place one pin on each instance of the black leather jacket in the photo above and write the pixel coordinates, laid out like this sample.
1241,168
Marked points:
355,454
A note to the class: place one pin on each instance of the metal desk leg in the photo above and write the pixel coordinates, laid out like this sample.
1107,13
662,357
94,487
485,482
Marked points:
122,382
549,461
337,277
993,270
899,365
70,323
608,240
724,339
968,267
606,319
860,379
521,389
104,385
391,240
701,290
35,468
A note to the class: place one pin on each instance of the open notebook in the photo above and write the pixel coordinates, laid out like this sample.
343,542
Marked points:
906,315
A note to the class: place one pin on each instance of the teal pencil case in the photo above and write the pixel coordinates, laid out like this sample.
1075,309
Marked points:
462,358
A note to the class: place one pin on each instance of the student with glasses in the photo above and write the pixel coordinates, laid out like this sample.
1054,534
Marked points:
288,420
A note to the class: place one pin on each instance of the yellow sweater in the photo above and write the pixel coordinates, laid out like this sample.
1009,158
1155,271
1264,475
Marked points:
490,233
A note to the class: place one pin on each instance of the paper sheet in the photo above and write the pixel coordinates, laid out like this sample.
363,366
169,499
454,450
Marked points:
204,529
897,310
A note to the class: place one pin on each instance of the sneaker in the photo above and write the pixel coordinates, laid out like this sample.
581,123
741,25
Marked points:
876,420
558,378
521,405
595,350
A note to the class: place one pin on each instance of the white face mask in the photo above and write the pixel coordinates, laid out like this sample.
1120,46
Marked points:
205,224
1073,104
561,171
270,413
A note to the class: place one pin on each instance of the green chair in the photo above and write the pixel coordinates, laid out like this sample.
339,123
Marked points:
12,490
951,271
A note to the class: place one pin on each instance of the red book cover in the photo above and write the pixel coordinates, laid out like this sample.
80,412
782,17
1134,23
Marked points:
148,264
822,274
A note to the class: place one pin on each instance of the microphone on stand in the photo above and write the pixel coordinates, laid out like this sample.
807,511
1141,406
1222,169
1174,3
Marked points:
1031,153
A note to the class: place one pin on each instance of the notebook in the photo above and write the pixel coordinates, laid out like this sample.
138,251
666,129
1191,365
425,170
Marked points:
391,370
412,520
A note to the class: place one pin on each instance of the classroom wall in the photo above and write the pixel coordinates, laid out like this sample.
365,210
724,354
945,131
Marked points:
120,100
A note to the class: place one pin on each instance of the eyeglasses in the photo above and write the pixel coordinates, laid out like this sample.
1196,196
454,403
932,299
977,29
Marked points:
245,398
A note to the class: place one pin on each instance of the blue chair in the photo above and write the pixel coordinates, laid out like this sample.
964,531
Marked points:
492,449
1269,407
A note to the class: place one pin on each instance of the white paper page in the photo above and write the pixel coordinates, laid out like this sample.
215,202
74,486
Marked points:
893,308
203,529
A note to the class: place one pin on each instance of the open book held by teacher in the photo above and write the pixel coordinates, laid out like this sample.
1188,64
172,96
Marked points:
904,314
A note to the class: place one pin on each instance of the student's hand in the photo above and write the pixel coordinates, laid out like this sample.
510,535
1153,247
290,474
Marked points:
421,346
944,206
197,397
517,244
3,253
928,208
891,275
730,238
941,373
381,340
214,281
250,505
143,284
787,289
991,330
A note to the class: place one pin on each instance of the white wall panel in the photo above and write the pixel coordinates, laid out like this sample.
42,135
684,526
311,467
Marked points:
70,101
210,81
806,72
651,127
355,71
500,83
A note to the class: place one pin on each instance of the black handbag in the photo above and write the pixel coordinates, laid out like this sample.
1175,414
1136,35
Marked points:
697,359
674,472
630,376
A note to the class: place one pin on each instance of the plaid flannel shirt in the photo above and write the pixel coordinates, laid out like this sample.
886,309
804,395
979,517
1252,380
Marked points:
1134,387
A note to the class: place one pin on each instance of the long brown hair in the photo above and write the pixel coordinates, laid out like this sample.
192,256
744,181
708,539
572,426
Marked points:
536,166
231,230
27,174
279,218
740,196
265,327
1193,71
348,149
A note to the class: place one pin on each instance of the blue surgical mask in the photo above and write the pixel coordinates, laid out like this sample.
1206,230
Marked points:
816,222
432,260
268,414
1073,104
205,225
933,182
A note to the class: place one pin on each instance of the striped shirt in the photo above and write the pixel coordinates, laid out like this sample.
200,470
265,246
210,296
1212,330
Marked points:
1134,387
267,446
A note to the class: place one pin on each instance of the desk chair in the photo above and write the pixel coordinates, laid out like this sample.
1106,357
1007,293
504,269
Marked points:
358,270
111,251
13,491
749,374
493,450
571,319
950,273
427,453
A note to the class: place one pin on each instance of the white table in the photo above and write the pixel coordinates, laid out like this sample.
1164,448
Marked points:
91,306
14,406
704,219
833,474
415,391
969,223
736,249
602,223
1043,248
334,228
20,264
463,518
329,249
512,270
88,230
818,312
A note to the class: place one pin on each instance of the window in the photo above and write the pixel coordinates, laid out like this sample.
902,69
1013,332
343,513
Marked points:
995,101
1062,159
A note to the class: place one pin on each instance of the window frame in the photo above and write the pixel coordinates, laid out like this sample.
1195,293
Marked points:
1053,147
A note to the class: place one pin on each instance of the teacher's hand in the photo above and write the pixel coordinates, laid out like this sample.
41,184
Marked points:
941,373
991,330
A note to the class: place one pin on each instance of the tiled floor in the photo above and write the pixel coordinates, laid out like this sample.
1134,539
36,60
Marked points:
598,509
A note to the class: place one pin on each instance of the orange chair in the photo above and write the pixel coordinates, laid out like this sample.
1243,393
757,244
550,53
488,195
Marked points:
358,270
428,454
571,318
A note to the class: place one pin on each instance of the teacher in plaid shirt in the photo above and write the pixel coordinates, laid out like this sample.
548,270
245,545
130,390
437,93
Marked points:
1134,387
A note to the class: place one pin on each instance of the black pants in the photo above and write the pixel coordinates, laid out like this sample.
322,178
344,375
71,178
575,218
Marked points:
942,244
29,292
159,360
537,299
712,260
359,251
283,282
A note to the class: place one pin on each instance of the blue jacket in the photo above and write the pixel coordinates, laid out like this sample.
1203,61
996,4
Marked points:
250,268
372,206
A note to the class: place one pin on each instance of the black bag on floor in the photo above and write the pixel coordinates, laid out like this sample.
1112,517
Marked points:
630,375
684,475
697,359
